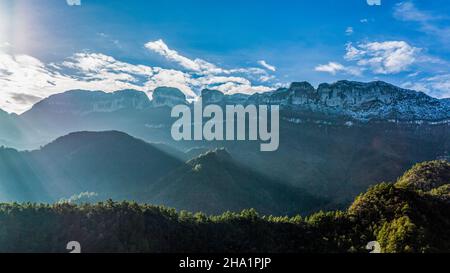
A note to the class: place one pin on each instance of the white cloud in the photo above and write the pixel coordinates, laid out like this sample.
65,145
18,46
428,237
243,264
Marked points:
266,78
99,63
427,21
387,57
439,85
267,66
436,86
333,68
172,78
73,2
234,88
349,31
208,75
373,2
407,11
198,66
392,57
162,49
25,79
29,77
213,80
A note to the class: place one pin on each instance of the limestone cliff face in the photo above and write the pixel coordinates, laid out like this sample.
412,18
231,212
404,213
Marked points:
82,102
168,96
351,100
361,101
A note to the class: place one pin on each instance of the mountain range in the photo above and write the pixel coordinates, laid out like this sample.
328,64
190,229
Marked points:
340,103
335,141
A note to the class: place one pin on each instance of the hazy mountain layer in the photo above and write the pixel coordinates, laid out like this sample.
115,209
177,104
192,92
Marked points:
215,183
109,164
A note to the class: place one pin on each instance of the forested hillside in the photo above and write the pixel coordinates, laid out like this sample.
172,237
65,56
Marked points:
111,164
412,215
214,183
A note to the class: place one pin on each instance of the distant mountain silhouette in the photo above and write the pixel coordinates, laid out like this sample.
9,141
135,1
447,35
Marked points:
112,164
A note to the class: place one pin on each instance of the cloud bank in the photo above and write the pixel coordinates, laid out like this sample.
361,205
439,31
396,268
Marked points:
421,71
25,79
387,57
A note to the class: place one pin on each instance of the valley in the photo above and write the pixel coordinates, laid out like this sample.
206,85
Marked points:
335,142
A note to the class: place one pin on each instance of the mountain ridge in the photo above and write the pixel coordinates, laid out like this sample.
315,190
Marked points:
361,101
83,102
111,163
357,100
214,183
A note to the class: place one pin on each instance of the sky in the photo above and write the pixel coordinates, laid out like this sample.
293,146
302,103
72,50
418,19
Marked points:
51,46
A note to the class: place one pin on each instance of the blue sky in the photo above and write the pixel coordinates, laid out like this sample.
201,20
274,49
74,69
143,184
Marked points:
49,46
